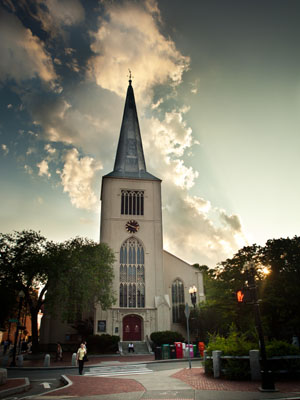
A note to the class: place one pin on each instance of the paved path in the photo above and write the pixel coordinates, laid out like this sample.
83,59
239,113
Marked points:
118,370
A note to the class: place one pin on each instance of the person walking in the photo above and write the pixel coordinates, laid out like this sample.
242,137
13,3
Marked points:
81,352
59,355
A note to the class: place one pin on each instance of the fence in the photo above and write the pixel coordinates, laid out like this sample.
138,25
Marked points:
254,363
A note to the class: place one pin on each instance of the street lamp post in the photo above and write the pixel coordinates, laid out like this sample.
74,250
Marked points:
193,293
21,297
267,382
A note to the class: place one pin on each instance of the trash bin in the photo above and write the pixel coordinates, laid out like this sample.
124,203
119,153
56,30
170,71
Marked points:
185,350
172,351
201,348
179,350
157,353
195,350
165,351
191,350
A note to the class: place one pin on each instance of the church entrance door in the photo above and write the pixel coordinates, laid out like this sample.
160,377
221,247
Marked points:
132,328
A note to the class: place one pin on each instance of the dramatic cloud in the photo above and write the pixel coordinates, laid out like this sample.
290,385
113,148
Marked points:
56,13
129,37
90,123
43,168
4,149
77,179
49,149
194,231
88,113
23,55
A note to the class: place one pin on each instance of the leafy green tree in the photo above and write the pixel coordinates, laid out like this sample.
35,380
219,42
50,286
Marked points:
71,275
280,294
221,309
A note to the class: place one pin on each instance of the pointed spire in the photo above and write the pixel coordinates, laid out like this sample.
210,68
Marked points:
130,161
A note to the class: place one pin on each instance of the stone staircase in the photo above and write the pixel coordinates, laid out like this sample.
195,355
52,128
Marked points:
139,348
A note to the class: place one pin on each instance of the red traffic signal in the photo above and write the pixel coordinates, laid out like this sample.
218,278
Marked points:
244,295
240,296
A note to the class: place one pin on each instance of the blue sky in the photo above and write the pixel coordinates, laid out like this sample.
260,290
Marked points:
217,86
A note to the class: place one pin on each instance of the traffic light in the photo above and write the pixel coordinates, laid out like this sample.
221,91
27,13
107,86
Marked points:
244,295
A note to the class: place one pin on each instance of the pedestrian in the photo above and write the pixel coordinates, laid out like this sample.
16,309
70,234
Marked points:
81,352
59,352
85,356
5,346
131,347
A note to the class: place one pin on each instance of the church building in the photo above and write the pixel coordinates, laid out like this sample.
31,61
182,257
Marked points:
152,285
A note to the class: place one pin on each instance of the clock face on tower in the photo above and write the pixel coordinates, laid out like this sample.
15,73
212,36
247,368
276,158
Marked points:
132,226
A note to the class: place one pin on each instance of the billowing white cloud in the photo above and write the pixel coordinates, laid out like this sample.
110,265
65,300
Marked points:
49,149
194,230
43,168
23,55
5,149
129,37
77,179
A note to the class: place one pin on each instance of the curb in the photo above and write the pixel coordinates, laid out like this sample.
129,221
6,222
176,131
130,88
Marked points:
17,389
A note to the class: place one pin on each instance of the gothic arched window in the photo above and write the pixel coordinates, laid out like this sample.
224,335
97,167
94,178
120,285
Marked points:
177,300
132,274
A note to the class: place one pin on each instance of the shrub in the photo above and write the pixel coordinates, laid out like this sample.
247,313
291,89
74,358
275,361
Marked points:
102,343
280,348
235,344
166,337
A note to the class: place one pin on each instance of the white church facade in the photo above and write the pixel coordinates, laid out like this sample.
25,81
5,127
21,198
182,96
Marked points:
151,285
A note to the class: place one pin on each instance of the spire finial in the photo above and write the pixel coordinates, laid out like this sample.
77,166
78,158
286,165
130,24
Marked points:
130,76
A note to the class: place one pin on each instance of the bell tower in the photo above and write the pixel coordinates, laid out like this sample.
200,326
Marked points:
131,224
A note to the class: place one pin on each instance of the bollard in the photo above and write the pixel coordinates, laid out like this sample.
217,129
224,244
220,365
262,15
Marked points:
3,376
74,360
254,365
216,354
47,360
206,369
20,359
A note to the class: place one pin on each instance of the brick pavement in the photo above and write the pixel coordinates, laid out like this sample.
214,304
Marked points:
196,378
13,383
92,386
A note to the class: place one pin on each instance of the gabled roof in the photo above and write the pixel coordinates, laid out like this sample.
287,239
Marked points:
130,161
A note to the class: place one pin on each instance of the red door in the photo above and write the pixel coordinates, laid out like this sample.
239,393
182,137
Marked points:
132,325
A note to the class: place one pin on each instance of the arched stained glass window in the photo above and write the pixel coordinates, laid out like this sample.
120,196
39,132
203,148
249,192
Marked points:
132,274
177,300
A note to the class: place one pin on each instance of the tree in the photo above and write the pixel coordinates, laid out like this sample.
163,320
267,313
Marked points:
71,275
220,310
280,293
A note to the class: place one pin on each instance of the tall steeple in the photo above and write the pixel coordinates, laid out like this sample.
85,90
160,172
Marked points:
130,161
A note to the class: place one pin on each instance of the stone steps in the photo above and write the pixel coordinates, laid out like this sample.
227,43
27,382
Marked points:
139,348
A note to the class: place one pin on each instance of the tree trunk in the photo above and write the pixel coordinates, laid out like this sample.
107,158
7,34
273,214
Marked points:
34,330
